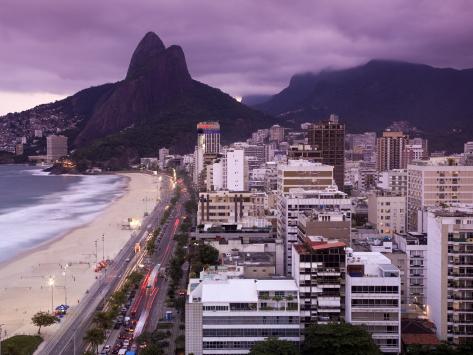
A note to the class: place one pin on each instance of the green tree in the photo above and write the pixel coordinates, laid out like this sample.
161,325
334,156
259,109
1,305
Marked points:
103,320
152,349
338,339
44,319
95,336
274,346
207,254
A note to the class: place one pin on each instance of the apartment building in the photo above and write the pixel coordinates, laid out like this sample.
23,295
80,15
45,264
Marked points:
394,181
228,316
231,207
291,204
391,149
434,183
450,272
414,245
56,147
304,175
318,266
333,224
387,212
329,137
373,298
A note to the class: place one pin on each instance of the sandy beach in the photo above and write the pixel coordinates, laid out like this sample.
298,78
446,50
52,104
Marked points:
24,288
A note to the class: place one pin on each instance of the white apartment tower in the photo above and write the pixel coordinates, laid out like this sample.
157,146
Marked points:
373,298
450,272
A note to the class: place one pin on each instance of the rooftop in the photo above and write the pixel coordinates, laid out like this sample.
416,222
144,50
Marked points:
238,290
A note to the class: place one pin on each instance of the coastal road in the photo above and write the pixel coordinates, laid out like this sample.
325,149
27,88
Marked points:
69,337
148,302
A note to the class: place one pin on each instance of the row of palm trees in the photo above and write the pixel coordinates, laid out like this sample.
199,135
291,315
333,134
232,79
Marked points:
103,320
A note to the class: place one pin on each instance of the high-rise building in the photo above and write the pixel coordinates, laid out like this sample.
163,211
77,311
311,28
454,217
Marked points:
319,271
162,154
236,170
414,245
432,183
56,147
450,272
387,212
228,316
291,204
276,133
373,298
208,137
329,137
391,151
303,174
206,150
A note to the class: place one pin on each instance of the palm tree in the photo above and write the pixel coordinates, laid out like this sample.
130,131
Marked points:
95,336
103,320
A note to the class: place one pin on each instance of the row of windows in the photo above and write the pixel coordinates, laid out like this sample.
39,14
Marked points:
251,320
215,308
251,332
374,289
374,302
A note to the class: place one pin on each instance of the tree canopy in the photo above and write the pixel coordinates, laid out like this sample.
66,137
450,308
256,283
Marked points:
274,346
95,336
44,319
338,339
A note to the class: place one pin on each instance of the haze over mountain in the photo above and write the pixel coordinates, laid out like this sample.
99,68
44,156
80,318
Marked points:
372,96
157,104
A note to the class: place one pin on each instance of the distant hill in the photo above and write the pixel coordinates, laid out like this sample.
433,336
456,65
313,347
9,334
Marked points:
157,104
439,102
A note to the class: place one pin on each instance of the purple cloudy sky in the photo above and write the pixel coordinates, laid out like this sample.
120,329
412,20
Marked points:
52,48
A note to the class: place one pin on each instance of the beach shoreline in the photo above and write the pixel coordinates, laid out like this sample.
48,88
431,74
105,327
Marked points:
24,279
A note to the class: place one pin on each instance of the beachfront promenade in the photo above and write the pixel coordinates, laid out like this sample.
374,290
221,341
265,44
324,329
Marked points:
68,339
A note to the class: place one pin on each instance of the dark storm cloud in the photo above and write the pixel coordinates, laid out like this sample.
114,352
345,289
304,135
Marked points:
240,46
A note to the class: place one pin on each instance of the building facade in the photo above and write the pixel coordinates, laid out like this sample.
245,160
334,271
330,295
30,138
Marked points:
450,272
373,298
435,183
391,151
229,316
387,212
56,147
329,137
319,272
297,201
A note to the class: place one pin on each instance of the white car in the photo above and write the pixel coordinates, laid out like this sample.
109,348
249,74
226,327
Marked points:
126,343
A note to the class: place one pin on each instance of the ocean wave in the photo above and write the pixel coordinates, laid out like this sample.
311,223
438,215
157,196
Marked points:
56,213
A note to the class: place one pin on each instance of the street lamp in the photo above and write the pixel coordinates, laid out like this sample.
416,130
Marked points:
51,283
65,283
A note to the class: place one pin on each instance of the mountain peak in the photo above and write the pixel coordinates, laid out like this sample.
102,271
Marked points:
145,55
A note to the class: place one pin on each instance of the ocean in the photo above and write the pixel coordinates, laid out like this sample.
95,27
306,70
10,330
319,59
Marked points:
36,207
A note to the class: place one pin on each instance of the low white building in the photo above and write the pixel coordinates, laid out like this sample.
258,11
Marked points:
229,316
373,298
